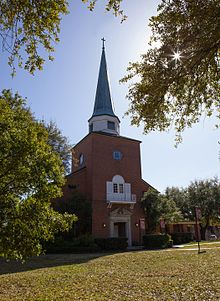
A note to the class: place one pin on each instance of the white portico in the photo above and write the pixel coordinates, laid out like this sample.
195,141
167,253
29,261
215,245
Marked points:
120,224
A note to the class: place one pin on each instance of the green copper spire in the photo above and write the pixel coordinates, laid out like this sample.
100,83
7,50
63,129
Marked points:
103,103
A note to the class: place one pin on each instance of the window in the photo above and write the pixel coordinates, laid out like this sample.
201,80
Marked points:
121,188
91,127
118,188
119,191
111,125
117,155
81,159
115,188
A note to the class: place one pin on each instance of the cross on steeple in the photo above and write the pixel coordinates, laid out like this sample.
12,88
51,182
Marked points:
103,43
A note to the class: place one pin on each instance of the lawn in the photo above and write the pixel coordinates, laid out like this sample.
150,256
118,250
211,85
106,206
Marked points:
137,276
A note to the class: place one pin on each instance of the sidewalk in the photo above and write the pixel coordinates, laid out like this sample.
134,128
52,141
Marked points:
194,246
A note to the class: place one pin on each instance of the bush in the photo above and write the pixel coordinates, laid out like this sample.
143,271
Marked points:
157,241
112,243
181,238
83,244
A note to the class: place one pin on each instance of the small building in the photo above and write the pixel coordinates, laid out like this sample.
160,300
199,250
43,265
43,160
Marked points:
182,227
106,167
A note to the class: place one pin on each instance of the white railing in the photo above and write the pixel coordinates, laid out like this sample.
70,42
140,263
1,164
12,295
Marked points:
121,198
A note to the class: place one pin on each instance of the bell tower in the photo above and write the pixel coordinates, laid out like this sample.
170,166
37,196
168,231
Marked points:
103,118
106,167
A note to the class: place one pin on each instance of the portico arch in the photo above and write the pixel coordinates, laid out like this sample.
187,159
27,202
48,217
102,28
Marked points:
121,216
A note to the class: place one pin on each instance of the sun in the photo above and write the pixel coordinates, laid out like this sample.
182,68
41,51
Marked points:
177,56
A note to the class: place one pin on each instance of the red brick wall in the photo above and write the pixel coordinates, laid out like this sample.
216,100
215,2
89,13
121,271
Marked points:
83,147
105,167
98,168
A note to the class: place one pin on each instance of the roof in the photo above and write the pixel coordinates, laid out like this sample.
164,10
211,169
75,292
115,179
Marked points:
106,134
103,103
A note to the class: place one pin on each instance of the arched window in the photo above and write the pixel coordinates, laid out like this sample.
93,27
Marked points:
118,190
118,184
118,179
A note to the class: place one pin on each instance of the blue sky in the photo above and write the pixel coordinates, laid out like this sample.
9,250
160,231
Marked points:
65,90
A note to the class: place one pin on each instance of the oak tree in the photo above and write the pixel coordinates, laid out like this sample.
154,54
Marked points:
60,144
28,28
204,194
77,203
177,79
31,175
157,206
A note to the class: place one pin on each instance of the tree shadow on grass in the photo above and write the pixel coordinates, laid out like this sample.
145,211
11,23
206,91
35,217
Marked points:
46,261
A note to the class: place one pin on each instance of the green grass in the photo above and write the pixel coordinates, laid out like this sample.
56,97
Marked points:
138,276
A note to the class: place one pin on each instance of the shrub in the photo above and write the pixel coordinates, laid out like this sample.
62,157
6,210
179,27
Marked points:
181,238
157,241
83,244
112,243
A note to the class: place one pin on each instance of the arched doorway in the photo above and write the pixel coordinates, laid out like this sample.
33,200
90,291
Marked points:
120,224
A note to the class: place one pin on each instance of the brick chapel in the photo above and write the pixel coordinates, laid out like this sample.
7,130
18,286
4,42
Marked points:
108,171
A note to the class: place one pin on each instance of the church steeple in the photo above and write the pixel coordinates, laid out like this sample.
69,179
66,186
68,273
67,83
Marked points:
103,103
103,117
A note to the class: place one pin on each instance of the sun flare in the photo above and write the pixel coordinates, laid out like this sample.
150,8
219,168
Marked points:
177,56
